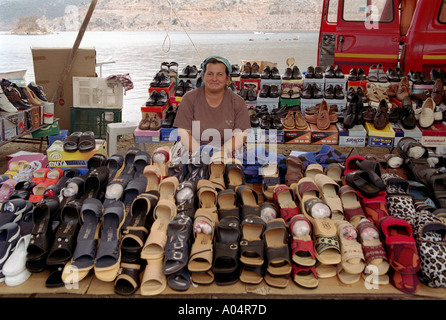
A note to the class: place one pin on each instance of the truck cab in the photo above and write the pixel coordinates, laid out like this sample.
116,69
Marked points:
409,34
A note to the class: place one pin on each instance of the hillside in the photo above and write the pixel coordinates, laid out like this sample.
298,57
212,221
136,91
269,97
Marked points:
192,14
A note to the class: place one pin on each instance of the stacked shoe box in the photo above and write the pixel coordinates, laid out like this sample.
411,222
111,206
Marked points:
354,137
434,136
313,101
340,102
401,132
380,138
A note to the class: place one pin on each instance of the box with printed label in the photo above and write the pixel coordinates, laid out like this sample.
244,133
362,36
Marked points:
57,157
169,134
297,136
329,136
147,136
265,136
401,132
353,137
434,136
380,138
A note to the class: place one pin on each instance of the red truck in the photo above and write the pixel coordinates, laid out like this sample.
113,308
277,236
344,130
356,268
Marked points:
408,34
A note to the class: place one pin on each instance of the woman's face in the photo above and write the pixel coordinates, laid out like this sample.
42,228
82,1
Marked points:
215,78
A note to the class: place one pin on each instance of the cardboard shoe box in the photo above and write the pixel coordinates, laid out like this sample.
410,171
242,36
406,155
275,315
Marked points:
380,138
297,136
147,136
401,132
329,136
57,157
265,136
434,136
354,137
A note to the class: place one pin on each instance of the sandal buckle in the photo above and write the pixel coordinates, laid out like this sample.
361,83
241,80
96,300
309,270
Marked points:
178,255
178,245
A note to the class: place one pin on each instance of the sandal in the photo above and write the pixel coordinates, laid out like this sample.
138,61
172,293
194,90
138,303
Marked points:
408,147
252,274
277,250
335,171
108,256
270,179
302,246
115,165
142,159
294,170
353,211
70,143
96,182
180,281
305,277
330,195
217,171
252,243
128,280
375,208
313,169
326,241
248,201
161,159
352,260
87,240
153,175
86,142
167,188
207,194
176,254
128,167
153,281
285,198
362,181
137,230
227,204
185,198
234,175
305,187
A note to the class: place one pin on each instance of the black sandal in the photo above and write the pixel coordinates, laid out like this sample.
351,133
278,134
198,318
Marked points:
86,142
177,248
186,204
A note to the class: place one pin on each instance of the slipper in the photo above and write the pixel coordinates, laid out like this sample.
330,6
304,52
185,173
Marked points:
153,281
285,198
86,142
217,171
86,244
134,188
330,195
305,187
153,175
227,204
351,164
115,165
352,257
234,175
400,245
97,160
302,247
276,248
353,211
96,182
14,269
362,181
6,189
248,201
129,160
325,271
180,281
407,283
161,159
294,170
375,208
252,274
207,194
108,256
313,169
270,179
346,277
137,230
9,236
326,241
12,210
201,255
142,159
305,277
70,143
335,171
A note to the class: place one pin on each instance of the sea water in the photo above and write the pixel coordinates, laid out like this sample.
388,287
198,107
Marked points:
140,53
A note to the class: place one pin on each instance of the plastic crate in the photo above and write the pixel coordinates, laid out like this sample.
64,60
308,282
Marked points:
91,92
93,119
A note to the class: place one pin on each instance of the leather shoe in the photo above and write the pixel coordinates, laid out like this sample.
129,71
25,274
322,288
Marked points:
407,114
297,75
338,72
288,74
353,74
310,72
381,116
437,92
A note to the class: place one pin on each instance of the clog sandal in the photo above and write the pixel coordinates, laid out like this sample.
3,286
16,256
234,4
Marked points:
180,281
326,241
248,201
137,230
86,244
276,248
285,198
153,281
161,159
217,171
305,277
153,175
185,198
400,245
142,159
207,194
252,244
128,280
86,142
201,255
352,255
115,165
65,237
128,167
168,188
305,186
108,256
302,247
251,274
270,179
70,143
234,175
227,204
313,169
353,211
176,255
42,235
330,195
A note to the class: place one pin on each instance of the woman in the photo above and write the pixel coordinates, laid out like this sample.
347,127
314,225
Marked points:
212,114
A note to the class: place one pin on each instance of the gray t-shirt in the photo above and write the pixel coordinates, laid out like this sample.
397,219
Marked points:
208,124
